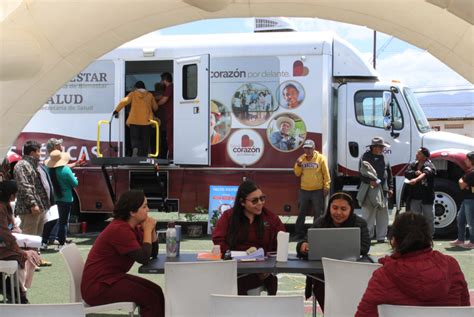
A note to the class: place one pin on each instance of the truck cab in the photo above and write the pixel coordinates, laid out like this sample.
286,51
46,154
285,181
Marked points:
402,123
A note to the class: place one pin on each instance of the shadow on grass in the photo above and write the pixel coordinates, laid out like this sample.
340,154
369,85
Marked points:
457,249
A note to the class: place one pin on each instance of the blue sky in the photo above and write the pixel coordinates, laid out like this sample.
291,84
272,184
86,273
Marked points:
398,60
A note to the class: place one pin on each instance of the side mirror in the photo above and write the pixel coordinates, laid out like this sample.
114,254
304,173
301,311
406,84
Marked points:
387,101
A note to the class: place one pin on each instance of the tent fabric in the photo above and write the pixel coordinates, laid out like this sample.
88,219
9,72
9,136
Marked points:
45,42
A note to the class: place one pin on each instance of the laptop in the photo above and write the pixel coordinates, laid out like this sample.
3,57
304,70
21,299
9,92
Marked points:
334,243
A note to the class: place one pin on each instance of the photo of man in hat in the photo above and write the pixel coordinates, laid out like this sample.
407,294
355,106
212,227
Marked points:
312,169
420,180
282,139
376,184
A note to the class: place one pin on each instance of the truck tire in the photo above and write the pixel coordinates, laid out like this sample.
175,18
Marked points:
446,205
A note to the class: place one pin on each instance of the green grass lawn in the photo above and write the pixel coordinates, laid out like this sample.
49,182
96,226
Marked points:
51,284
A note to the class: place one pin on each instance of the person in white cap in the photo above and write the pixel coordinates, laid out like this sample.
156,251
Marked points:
312,169
376,213
282,139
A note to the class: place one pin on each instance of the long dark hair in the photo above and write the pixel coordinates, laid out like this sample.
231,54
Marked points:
54,180
239,224
130,201
411,232
7,189
338,195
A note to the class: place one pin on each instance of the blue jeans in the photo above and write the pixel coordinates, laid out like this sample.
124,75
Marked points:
466,216
64,209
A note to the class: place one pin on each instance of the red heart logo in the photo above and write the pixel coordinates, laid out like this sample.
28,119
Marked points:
299,69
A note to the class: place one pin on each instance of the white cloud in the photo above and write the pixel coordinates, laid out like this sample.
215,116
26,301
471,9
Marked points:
345,30
418,69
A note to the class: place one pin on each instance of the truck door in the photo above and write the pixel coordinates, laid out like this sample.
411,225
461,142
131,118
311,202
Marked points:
191,111
361,114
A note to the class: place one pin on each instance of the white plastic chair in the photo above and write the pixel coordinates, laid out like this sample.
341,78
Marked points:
10,268
256,306
425,311
75,266
344,284
43,310
189,284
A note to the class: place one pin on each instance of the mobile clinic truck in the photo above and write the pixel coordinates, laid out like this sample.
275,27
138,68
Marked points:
319,84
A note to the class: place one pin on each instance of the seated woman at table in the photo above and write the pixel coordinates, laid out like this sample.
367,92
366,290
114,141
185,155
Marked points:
340,213
414,274
129,238
9,249
249,224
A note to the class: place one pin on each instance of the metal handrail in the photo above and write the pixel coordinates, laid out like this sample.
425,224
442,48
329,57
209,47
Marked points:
99,124
157,127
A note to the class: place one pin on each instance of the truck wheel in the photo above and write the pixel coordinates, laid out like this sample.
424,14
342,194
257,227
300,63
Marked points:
446,205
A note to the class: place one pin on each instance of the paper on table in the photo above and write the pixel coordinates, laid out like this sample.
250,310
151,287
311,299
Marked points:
239,255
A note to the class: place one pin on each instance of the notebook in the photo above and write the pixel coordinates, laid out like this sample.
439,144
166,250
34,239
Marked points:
334,243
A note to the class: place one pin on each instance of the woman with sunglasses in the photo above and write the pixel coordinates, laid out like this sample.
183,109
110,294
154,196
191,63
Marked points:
249,224
340,214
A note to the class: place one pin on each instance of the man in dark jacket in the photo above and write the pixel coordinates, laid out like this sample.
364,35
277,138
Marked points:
420,175
376,213
32,198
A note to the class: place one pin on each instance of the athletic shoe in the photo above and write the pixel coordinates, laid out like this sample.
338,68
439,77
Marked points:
456,243
44,247
468,245
45,263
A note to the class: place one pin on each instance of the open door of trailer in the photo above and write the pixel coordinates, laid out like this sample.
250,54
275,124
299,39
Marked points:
191,111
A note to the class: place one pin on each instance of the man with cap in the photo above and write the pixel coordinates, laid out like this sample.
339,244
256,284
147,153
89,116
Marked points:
312,169
32,198
375,213
282,139
420,180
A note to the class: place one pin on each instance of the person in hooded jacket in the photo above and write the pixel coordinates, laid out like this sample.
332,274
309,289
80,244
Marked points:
415,274
340,214
142,105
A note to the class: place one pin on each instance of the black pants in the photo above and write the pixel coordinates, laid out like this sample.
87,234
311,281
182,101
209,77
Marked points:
140,138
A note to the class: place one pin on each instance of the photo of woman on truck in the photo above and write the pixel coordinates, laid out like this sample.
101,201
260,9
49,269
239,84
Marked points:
290,94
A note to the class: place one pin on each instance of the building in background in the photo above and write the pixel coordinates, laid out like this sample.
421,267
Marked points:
449,112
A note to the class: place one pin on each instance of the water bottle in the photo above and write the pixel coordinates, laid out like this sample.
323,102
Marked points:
171,246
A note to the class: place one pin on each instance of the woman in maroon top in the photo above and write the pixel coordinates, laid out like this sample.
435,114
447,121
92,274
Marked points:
249,224
415,274
129,238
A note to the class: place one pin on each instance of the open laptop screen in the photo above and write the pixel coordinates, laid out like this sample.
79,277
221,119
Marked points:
334,243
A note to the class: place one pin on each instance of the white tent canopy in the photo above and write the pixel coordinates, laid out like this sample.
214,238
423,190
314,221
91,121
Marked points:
45,42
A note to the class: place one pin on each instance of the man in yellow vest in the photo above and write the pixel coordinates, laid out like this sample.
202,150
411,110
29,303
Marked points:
312,169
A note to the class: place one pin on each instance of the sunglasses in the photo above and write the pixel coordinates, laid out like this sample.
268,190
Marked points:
256,199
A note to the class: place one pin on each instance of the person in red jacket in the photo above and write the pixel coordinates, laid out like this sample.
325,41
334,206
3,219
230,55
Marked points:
414,274
249,224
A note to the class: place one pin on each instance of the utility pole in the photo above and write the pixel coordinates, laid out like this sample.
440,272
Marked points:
375,49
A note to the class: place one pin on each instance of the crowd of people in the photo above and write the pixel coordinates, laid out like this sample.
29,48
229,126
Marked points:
28,189
414,274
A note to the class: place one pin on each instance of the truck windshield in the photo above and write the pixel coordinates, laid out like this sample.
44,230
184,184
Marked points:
418,114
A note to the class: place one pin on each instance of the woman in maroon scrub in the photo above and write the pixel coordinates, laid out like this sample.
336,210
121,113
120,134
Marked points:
249,224
129,238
